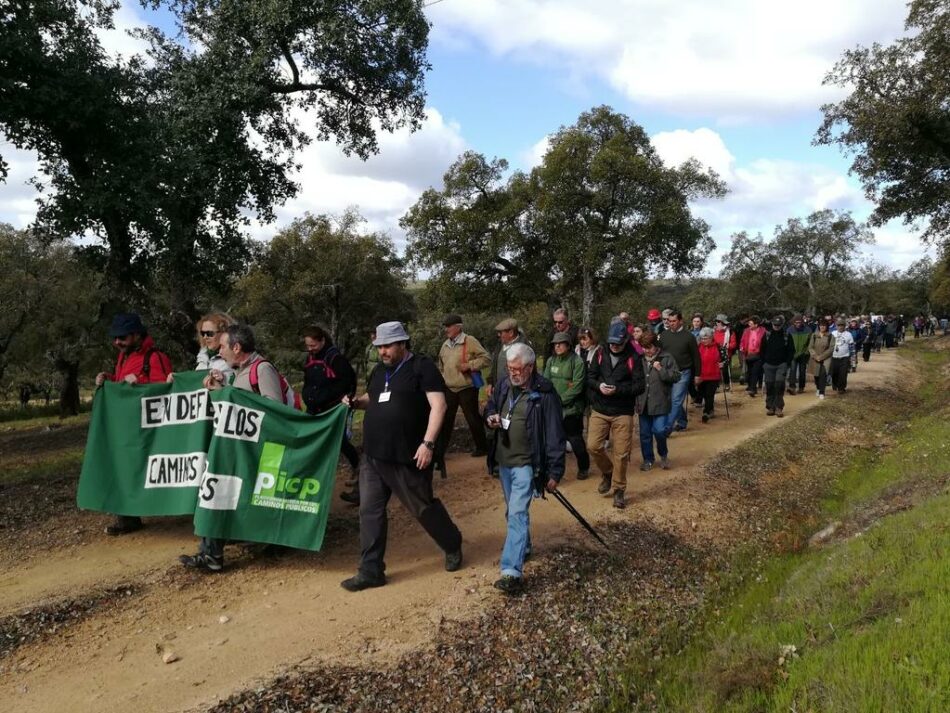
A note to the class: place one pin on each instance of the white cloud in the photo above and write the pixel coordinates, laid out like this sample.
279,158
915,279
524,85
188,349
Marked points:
118,41
733,59
17,195
533,156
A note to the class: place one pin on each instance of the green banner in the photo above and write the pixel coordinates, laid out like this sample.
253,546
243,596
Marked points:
247,467
147,447
271,471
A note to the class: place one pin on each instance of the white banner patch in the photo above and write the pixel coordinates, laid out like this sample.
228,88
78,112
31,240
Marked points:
175,470
237,422
178,408
219,492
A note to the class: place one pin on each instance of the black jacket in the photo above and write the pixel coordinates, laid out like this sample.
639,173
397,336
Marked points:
544,423
627,376
327,378
778,347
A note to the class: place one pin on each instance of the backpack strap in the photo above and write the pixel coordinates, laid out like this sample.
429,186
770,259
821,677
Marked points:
147,363
252,376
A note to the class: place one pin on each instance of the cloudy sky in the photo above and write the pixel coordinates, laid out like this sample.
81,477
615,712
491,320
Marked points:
736,83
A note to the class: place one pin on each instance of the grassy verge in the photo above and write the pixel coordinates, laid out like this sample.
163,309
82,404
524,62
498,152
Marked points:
856,624
43,468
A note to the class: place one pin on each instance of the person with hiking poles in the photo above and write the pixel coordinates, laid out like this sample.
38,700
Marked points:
614,381
820,347
653,406
528,448
726,340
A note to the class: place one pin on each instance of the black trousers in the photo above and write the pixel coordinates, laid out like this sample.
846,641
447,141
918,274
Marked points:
467,399
350,453
754,374
840,366
866,351
821,378
707,392
799,374
379,480
574,430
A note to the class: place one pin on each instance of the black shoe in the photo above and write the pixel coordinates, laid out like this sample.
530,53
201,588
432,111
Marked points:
453,560
202,561
604,486
705,418
123,526
620,501
352,497
361,581
583,474
509,584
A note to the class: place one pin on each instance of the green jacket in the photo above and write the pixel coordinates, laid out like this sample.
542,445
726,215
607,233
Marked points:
569,376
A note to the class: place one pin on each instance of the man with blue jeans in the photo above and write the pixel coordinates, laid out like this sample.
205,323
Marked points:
528,447
679,343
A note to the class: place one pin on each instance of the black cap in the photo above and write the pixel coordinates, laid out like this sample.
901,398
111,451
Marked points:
451,319
126,323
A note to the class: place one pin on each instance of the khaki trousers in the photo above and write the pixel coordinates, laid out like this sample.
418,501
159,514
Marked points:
619,430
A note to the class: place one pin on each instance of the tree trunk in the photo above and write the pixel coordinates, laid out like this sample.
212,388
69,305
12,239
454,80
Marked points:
587,300
69,392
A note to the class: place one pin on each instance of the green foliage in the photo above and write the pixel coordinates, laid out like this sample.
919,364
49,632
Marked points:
322,271
598,215
896,120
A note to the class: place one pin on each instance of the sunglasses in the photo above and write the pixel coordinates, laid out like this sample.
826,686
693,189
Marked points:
559,321
208,334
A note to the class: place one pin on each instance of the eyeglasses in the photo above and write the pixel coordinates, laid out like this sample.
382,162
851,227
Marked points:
517,369
208,334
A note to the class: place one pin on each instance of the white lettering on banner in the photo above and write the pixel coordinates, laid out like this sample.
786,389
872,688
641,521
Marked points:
175,470
219,492
238,422
174,409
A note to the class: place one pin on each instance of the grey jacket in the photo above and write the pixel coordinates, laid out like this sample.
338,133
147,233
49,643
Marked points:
657,399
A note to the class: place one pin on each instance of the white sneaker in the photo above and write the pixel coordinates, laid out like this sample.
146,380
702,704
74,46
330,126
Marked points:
821,397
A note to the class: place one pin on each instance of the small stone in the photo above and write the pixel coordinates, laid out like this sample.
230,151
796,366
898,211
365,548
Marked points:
169,657
224,619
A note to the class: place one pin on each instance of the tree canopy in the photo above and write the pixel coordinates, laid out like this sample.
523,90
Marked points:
896,120
600,212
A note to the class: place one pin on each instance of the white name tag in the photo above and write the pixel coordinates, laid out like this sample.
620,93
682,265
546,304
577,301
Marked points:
384,396
505,423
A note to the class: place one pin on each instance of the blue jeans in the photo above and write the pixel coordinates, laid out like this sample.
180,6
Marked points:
652,427
518,486
678,412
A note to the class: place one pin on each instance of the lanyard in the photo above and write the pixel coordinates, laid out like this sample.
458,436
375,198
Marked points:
390,376
512,404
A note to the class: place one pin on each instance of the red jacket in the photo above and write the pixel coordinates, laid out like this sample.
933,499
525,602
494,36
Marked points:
709,362
719,337
160,366
752,341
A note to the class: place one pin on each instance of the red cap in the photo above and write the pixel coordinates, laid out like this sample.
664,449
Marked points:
653,314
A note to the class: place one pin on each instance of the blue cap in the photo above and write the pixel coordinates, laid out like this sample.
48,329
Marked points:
617,333
126,323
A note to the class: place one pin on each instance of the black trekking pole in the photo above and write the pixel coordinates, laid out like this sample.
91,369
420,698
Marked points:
722,383
561,498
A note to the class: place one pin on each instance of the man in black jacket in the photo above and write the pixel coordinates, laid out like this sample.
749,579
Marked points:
614,380
528,447
778,352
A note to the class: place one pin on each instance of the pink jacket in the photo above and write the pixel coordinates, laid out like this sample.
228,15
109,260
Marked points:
752,341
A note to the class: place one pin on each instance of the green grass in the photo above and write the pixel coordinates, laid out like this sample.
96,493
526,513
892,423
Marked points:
55,465
867,616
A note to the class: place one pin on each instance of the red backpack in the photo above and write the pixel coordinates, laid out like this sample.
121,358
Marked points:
600,360
290,398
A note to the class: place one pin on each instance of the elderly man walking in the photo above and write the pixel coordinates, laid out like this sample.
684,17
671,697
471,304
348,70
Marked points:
461,360
524,412
508,333
561,324
615,380
405,406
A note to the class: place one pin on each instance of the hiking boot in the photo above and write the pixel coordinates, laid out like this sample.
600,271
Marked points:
453,560
779,413
646,465
361,581
791,391
665,463
769,412
583,474
352,497
123,525
705,418
203,562
510,584
604,486
620,502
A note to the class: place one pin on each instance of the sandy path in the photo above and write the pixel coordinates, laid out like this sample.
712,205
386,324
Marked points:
287,610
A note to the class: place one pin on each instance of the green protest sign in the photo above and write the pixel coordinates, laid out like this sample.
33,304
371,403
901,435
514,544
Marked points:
147,446
270,471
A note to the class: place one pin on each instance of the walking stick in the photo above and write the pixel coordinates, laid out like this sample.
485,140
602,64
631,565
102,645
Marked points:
725,397
561,498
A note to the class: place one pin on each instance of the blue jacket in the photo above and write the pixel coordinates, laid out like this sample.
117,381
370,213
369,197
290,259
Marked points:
544,423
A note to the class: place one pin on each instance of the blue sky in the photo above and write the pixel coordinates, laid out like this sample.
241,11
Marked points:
736,83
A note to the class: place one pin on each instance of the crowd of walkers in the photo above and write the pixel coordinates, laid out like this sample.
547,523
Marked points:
575,395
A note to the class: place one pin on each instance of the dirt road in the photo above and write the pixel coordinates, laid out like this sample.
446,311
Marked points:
236,630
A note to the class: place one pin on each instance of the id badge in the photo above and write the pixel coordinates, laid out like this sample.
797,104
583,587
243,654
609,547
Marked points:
505,423
384,396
